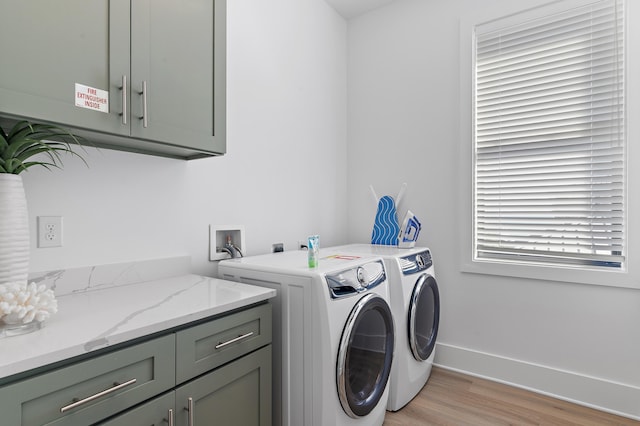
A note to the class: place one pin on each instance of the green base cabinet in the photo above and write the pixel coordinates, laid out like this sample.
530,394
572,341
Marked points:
238,394
225,379
160,63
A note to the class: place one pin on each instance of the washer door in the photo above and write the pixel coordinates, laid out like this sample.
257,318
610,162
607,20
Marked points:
424,317
365,355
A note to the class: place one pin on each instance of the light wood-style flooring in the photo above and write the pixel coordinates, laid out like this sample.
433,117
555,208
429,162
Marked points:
451,398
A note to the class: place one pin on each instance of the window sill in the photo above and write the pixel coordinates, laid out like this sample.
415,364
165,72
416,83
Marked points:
568,274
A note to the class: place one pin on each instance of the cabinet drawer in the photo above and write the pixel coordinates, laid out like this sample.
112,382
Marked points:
206,346
101,386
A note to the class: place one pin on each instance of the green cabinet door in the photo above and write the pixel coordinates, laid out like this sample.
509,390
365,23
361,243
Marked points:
48,47
156,412
178,52
238,394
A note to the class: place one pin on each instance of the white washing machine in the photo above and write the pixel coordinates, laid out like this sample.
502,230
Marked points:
415,303
333,337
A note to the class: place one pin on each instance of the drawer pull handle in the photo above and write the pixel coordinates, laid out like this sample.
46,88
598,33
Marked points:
237,339
116,387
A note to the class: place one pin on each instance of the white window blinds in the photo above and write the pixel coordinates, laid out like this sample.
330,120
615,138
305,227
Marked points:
549,137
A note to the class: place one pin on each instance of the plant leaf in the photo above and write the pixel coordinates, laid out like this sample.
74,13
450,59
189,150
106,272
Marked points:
26,139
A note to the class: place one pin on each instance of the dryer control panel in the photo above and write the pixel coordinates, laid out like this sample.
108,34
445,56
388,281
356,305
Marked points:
356,280
415,263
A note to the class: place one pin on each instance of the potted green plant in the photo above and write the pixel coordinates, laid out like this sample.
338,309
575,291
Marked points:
25,145
26,140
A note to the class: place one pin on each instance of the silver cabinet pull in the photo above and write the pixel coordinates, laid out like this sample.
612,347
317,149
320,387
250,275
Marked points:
190,410
115,388
144,118
170,415
237,339
124,99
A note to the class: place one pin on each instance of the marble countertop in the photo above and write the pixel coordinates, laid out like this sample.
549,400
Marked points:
91,320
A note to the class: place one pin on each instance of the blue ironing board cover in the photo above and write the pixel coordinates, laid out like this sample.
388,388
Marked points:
385,226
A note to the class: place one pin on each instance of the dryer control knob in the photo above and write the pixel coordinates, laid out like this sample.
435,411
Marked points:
361,276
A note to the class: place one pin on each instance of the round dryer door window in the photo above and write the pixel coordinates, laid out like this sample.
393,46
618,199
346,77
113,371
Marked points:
365,355
424,317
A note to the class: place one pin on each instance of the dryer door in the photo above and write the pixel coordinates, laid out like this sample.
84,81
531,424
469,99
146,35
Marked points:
364,355
424,317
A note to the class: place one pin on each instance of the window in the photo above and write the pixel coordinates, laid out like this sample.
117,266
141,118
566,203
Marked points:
549,137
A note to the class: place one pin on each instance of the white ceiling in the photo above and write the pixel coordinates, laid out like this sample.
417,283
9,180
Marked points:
350,8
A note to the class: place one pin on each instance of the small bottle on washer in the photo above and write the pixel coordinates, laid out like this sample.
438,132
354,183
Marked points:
313,250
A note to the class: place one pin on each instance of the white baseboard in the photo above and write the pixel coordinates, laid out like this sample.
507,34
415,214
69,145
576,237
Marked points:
612,397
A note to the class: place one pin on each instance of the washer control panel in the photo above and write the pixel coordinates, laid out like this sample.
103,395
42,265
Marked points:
415,263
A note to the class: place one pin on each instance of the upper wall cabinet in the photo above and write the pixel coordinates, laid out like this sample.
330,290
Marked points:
139,75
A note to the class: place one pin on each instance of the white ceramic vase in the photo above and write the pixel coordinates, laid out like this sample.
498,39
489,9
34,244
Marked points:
14,230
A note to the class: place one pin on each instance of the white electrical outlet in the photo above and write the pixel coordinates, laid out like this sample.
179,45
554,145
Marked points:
49,231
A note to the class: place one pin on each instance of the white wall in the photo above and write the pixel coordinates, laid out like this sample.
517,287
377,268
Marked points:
283,177
579,342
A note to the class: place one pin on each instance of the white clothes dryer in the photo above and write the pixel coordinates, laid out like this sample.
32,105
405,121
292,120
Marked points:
333,335
415,304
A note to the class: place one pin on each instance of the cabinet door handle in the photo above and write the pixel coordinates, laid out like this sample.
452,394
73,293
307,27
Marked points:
144,118
190,410
170,416
116,387
124,99
237,339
